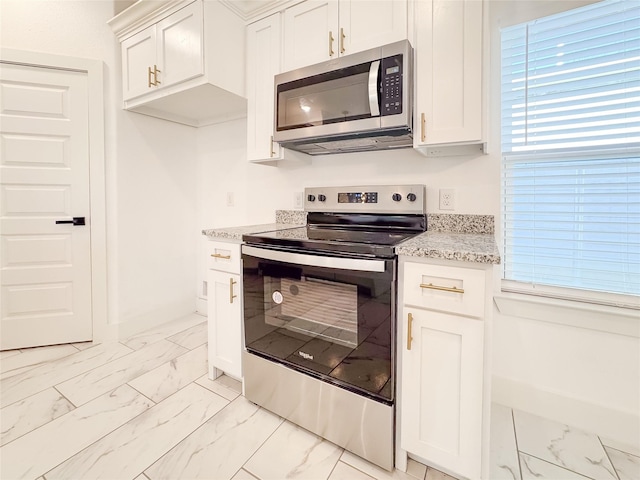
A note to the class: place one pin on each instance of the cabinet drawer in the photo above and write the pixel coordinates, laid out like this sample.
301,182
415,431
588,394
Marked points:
224,256
446,289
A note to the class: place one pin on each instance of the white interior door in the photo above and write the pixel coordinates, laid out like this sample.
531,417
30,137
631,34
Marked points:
45,267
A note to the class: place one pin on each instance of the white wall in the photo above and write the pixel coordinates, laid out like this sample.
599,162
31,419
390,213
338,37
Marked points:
150,169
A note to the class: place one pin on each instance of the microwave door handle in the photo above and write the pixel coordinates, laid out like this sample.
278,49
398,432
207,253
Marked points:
374,106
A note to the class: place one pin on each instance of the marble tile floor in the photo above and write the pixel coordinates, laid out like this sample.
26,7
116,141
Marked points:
144,409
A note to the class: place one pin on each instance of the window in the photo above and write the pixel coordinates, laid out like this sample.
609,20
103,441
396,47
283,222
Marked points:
571,154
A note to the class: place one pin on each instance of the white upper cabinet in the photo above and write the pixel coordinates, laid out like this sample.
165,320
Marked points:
264,55
319,30
138,58
366,24
182,61
310,32
180,45
163,54
448,64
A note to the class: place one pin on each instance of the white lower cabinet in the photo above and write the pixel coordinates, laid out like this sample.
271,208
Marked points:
443,380
224,310
442,391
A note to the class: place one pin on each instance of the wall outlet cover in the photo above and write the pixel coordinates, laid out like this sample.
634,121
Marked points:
447,199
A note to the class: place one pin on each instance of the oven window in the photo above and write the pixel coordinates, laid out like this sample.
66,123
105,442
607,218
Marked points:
333,324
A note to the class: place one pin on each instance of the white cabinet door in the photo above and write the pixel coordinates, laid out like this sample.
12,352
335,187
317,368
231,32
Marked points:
367,24
264,57
179,40
448,64
441,410
225,322
138,58
310,33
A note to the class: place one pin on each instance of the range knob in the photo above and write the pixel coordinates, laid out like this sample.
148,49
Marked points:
311,198
411,197
396,197
322,198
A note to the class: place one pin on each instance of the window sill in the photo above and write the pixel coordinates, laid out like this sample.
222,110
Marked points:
603,318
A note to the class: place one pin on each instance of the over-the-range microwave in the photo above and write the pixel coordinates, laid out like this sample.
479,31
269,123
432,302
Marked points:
358,102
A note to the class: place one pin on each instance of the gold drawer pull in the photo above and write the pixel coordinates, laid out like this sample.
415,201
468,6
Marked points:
423,128
232,282
149,73
409,336
444,289
217,255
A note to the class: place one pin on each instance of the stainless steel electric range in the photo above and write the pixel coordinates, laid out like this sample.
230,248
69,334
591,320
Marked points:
320,314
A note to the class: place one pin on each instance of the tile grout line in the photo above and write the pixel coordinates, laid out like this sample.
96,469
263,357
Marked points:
515,438
117,428
334,467
75,376
265,440
606,454
25,433
190,433
559,466
152,401
55,387
98,439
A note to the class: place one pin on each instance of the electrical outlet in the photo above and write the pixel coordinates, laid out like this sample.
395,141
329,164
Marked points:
230,201
297,200
205,289
447,199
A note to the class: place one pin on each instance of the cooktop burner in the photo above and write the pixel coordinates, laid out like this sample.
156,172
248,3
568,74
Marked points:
366,220
369,242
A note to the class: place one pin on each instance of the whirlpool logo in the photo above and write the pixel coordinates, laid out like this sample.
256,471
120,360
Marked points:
306,356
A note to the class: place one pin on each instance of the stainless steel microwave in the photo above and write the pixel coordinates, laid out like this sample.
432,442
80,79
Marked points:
359,102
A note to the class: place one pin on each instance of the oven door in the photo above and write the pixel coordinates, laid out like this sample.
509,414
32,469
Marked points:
331,317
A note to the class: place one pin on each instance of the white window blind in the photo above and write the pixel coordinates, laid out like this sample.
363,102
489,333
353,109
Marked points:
571,150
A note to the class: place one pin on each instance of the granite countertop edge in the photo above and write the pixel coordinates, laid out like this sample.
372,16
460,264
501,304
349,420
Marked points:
236,233
464,247
447,242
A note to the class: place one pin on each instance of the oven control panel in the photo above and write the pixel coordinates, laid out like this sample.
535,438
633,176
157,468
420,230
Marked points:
401,199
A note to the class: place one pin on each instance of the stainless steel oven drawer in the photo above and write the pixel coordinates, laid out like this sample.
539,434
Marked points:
358,424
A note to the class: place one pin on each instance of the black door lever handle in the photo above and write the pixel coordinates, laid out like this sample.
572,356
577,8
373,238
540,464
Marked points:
75,221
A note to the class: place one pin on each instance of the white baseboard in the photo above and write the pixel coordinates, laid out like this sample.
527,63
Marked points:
609,423
139,323
201,306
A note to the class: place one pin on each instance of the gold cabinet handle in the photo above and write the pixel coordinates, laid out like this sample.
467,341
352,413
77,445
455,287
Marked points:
423,128
232,282
330,43
149,73
409,336
217,255
431,286
342,36
155,75
271,152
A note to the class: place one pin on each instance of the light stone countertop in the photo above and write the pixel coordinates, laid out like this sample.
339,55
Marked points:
445,238
284,219
465,247
235,233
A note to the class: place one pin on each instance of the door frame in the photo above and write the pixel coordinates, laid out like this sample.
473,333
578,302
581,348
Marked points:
97,178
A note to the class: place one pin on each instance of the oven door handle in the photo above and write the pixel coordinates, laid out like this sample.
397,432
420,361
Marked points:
316,260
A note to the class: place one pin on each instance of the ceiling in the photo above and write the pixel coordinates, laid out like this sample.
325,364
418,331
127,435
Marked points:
246,9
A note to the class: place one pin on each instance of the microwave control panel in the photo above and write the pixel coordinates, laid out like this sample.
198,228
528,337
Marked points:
391,85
